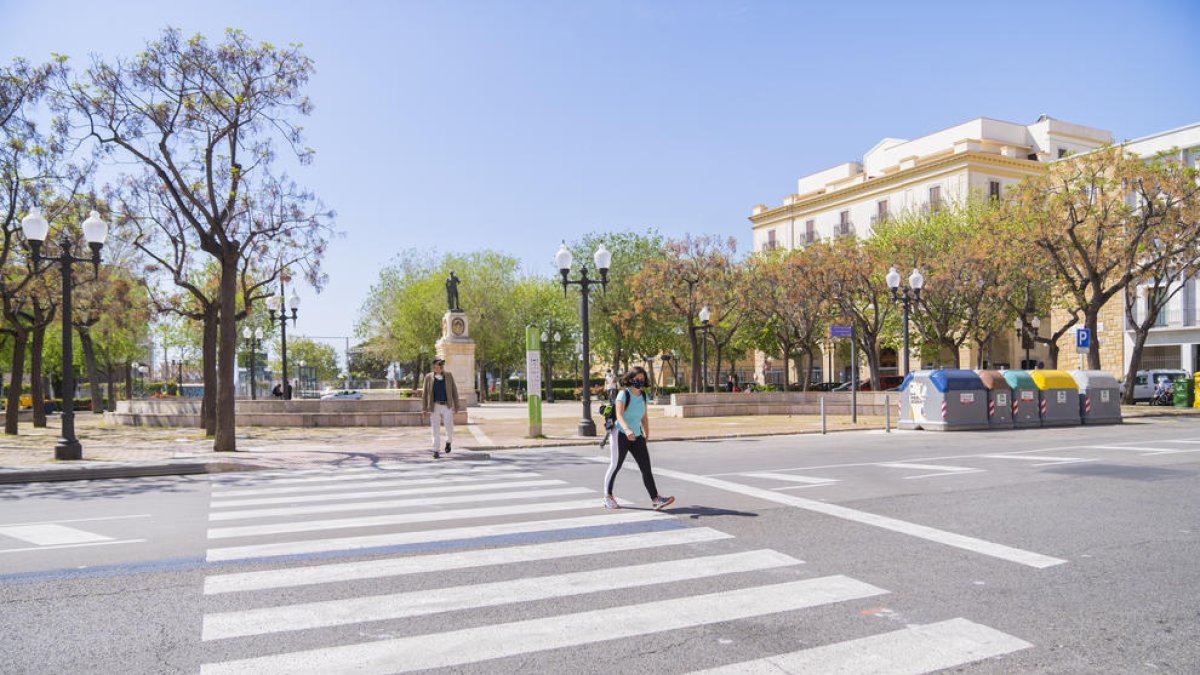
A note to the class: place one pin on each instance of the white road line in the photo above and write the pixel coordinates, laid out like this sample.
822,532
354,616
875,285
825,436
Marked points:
1170,452
391,492
1042,460
51,547
396,519
440,650
479,435
51,534
912,651
437,600
909,459
1182,441
78,520
428,536
1131,448
364,475
394,503
810,481
920,531
389,467
373,569
938,469
220,498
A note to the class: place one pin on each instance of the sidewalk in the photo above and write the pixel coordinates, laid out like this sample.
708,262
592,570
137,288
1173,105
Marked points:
121,451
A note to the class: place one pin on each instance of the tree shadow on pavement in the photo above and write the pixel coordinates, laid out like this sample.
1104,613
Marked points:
101,488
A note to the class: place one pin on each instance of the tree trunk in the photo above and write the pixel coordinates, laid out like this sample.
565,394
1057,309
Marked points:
226,439
112,389
37,386
128,368
20,337
89,358
208,365
1091,320
1135,362
811,369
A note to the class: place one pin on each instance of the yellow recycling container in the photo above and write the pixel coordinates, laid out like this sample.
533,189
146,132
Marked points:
1059,397
1196,403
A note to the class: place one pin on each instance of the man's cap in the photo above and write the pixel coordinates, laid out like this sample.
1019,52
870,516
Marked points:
439,362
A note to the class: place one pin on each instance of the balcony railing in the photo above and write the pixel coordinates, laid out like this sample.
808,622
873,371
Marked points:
843,229
808,238
880,218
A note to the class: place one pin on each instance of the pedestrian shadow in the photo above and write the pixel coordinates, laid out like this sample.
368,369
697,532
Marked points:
698,512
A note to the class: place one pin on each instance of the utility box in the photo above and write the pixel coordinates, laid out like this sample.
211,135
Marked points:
943,400
1058,397
1099,397
1026,411
999,399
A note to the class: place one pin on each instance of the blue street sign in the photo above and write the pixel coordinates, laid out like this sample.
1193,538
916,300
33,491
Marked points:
840,331
1083,339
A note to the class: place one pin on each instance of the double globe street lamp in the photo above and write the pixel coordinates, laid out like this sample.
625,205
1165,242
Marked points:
602,258
95,231
277,310
253,339
905,296
1027,330
705,327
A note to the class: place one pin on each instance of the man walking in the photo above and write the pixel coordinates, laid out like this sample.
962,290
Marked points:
439,400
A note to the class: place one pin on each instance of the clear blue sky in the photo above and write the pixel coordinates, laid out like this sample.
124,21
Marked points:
512,125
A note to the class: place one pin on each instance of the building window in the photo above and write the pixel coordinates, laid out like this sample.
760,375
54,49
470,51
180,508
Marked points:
770,239
994,189
844,227
810,231
1155,295
935,198
881,209
1032,156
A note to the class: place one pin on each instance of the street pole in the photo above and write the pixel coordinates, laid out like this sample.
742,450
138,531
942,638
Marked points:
587,427
853,378
906,371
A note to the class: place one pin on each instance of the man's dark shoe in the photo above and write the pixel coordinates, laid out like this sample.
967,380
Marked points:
447,448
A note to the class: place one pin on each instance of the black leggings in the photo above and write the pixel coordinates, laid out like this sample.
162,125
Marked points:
641,455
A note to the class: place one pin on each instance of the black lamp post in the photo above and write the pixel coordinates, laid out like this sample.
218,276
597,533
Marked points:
253,339
1027,330
905,296
546,336
705,328
602,257
95,231
277,311
178,363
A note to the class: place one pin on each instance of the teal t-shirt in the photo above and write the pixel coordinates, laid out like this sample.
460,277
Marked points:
633,412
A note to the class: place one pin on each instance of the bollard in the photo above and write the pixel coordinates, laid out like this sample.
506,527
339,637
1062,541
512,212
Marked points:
822,415
887,415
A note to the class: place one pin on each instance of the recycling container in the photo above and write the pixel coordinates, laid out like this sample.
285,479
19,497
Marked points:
1025,407
1058,397
1185,392
1099,397
907,420
1196,385
944,400
999,399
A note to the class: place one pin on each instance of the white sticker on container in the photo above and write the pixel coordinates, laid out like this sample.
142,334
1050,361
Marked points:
966,397
1104,393
1001,399
1062,397
1027,395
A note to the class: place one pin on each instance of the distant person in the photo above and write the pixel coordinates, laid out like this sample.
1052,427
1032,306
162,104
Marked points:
277,392
1039,365
731,383
439,400
632,428
610,384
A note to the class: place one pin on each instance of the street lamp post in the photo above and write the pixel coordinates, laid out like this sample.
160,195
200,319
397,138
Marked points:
143,370
705,316
253,339
277,311
550,359
1027,330
602,257
95,231
907,295
178,363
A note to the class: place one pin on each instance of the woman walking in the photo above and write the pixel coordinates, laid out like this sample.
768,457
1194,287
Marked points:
631,431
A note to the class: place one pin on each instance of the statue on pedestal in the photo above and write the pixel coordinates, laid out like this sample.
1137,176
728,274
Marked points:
452,293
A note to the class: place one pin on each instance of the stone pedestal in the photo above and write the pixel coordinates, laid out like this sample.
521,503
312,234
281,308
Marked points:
458,349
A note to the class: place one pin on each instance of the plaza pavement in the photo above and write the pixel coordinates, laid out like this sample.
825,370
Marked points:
112,450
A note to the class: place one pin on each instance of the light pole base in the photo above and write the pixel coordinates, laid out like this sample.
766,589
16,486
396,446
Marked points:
587,427
66,449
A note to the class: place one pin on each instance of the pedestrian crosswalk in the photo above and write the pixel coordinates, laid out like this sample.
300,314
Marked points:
365,571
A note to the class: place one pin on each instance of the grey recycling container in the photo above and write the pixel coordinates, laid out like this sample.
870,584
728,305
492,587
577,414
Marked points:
1059,397
1025,398
943,400
999,399
1099,397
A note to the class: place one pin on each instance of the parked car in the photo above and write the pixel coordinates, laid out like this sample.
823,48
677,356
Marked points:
886,383
1148,382
341,395
825,386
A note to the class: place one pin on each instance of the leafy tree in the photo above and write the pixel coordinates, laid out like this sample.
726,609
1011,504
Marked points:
789,302
322,358
202,120
854,274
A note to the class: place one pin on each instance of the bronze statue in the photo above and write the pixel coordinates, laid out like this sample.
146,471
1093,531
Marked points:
452,293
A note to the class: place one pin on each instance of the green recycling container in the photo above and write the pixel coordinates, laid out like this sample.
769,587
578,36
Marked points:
1185,392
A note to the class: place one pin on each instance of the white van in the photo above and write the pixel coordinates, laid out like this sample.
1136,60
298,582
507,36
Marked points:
1148,380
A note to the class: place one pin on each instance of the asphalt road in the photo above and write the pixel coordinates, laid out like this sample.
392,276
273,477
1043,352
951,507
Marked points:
1066,550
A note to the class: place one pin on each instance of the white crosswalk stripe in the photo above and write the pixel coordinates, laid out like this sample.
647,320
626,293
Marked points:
318,592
